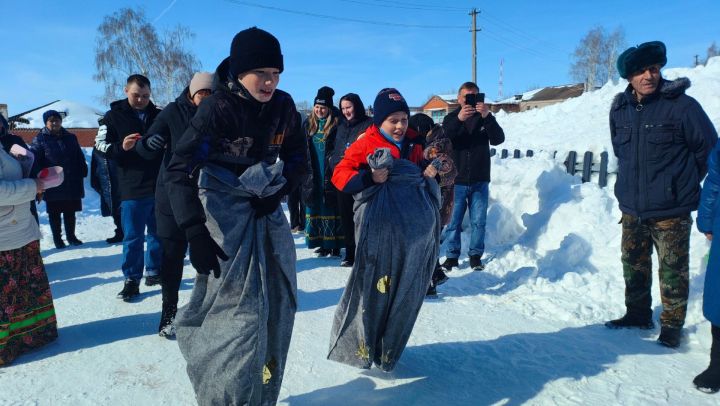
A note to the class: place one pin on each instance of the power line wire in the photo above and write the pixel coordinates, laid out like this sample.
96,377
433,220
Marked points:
406,6
354,20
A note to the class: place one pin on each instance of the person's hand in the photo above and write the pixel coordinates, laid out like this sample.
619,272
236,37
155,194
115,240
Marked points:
466,112
39,186
708,236
483,109
155,142
129,141
204,254
379,175
430,171
265,205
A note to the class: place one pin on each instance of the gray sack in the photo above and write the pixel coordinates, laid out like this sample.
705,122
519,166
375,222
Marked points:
397,227
235,331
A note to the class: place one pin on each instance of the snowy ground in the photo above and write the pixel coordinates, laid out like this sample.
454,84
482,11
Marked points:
527,330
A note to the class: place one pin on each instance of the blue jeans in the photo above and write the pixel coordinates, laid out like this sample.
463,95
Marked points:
475,197
136,215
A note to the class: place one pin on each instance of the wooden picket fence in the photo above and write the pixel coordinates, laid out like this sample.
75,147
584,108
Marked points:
587,166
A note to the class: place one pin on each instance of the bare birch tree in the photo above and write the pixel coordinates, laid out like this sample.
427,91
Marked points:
127,43
595,56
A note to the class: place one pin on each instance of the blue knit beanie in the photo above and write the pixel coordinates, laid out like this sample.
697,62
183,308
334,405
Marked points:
388,101
50,113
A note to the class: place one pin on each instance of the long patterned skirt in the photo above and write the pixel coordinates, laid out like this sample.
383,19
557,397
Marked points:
27,314
323,227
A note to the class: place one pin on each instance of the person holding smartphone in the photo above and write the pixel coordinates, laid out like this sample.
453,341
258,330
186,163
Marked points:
472,129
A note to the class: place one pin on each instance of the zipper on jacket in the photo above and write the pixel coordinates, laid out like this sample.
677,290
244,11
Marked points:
639,167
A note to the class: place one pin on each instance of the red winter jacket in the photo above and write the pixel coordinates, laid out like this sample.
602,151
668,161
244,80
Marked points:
353,174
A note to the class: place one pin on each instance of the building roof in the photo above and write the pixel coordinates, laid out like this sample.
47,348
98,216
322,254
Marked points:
559,92
75,115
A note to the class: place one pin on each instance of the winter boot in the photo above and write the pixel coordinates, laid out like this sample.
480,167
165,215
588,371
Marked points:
130,290
475,263
335,252
632,320
69,220
322,252
670,336
56,228
152,280
449,264
432,291
167,321
119,235
709,380
438,276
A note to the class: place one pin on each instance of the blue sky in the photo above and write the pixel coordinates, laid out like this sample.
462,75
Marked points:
49,46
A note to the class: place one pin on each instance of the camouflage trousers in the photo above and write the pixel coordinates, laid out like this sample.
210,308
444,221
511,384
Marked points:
671,239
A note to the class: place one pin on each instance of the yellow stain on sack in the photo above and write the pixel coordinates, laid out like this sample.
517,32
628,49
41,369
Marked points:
268,370
267,375
363,351
383,284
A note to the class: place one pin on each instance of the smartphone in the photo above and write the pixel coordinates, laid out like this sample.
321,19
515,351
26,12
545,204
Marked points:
480,98
470,99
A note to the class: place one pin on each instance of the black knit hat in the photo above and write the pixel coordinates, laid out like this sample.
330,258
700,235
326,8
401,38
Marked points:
636,58
388,101
254,48
324,96
50,113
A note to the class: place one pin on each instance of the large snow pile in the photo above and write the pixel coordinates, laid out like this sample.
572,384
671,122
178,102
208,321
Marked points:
581,123
76,115
528,329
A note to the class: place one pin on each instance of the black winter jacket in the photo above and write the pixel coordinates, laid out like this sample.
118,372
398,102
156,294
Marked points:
347,133
136,176
62,150
171,123
662,146
471,142
232,130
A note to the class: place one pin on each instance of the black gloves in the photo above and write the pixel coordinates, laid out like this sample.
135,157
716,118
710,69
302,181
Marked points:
204,254
155,142
265,205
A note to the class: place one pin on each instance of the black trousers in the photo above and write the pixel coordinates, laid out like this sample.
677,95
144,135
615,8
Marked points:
171,268
345,204
68,217
296,209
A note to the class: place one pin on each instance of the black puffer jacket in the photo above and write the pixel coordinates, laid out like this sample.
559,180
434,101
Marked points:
171,123
471,142
662,145
232,130
136,176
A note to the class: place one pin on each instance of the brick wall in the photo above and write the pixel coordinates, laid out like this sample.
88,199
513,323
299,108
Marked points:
85,136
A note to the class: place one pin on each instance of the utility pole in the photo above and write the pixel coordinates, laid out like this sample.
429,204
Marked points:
500,82
697,61
473,31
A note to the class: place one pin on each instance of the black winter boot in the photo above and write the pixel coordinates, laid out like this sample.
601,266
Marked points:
56,228
632,320
167,321
670,337
449,264
709,380
69,220
119,235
